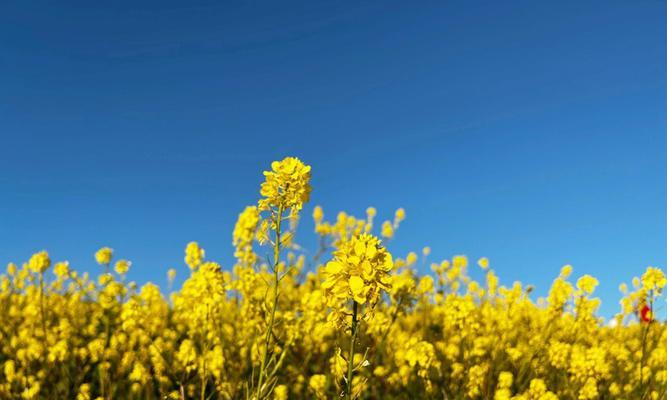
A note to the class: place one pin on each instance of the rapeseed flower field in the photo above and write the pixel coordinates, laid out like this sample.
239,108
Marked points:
348,320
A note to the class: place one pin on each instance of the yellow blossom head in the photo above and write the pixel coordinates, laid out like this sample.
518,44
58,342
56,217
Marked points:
104,255
280,392
566,271
399,216
587,284
39,262
318,215
194,255
387,230
653,279
317,384
244,234
359,270
61,269
246,224
122,267
287,185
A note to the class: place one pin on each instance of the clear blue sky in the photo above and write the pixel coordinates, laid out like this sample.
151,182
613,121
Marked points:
533,133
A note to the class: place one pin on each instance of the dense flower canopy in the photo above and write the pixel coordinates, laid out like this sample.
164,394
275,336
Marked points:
72,335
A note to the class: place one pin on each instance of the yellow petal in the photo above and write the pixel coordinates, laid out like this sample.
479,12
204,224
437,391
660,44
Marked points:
328,283
356,285
371,251
359,248
333,267
367,269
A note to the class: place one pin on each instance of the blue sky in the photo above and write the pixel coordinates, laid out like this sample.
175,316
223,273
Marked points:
532,133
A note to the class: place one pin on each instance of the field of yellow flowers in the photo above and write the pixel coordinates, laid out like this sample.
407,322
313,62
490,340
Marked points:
350,320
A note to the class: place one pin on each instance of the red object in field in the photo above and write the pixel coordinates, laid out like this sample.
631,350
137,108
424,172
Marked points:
645,314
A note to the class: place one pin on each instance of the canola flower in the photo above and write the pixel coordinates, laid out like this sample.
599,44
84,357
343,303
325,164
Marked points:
358,272
286,185
285,327
104,256
285,188
244,235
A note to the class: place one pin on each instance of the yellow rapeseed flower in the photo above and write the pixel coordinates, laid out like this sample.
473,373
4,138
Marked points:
287,185
587,284
263,330
104,255
653,279
122,267
39,262
359,270
194,255
244,235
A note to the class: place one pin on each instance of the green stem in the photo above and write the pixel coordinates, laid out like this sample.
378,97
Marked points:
41,306
269,329
350,359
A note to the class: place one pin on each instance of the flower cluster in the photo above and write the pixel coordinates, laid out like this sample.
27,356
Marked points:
244,235
287,185
359,270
